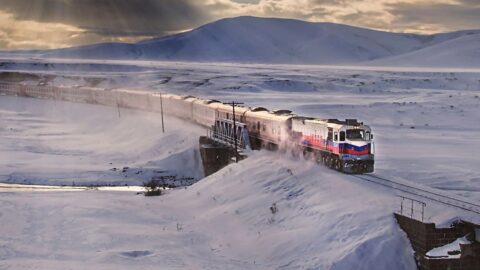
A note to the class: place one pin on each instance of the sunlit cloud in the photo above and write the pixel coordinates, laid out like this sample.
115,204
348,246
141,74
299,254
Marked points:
35,35
413,16
16,34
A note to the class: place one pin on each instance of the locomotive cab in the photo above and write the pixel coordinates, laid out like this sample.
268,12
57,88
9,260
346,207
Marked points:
355,147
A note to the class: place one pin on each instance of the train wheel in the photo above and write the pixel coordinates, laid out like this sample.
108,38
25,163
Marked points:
328,161
339,165
307,155
295,152
325,161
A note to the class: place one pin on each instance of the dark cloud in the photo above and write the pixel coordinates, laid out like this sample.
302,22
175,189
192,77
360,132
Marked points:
463,15
112,17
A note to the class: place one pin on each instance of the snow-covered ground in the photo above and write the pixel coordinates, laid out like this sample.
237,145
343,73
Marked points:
426,130
61,143
323,221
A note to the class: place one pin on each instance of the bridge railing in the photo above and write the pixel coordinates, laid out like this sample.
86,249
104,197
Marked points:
412,208
224,132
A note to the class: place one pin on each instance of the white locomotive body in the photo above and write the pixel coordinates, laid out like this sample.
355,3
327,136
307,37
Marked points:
343,145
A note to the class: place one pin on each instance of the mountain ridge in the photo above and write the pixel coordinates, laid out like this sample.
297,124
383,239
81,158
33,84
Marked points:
249,39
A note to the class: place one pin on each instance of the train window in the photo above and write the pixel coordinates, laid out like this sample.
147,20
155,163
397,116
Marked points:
342,136
258,126
368,136
335,136
330,134
264,127
356,135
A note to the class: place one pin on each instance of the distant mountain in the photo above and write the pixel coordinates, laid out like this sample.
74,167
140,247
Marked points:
463,51
271,40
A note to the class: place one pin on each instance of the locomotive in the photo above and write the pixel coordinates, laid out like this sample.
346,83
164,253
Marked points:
346,146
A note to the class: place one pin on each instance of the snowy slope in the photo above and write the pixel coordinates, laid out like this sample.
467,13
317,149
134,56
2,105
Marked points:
324,221
250,39
265,40
463,51
101,51
62,143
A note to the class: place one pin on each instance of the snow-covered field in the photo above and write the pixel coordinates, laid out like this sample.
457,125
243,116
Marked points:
426,130
50,142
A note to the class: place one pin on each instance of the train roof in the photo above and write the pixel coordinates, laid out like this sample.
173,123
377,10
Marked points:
282,112
171,96
189,98
259,109
131,91
269,115
210,101
349,122
229,109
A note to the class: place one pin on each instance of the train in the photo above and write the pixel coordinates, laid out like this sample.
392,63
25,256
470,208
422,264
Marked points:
344,145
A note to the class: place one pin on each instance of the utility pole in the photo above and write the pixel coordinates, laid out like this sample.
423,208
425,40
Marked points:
161,112
233,104
54,93
116,100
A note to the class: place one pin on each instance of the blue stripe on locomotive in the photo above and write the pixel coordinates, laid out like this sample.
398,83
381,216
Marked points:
306,142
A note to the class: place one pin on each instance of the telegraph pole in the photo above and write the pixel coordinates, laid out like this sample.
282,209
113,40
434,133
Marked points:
161,111
54,93
116,100
233,104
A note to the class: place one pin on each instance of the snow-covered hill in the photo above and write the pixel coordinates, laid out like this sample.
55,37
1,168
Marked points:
463,51
268,40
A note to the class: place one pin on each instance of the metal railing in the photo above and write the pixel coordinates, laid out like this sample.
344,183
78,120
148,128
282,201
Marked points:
223,132
412,208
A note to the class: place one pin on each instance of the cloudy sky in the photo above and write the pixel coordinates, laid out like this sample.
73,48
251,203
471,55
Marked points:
32,24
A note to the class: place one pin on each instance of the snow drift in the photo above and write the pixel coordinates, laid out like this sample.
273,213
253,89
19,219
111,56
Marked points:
323,221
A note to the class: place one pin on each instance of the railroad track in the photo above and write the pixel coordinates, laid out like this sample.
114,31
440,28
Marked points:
432,195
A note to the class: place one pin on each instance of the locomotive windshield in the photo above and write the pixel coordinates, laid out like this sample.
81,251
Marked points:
357,135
